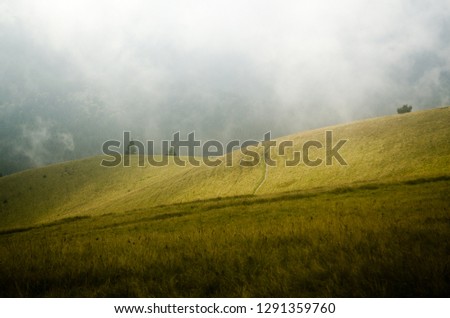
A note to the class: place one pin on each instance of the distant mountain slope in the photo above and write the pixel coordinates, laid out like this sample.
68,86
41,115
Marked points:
385,149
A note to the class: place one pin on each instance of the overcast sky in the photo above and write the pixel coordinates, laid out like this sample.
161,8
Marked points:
76,73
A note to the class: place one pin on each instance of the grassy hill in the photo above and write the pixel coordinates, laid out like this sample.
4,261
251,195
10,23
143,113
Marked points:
378,226
392,148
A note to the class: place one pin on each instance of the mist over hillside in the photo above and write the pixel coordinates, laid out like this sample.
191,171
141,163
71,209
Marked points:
77,73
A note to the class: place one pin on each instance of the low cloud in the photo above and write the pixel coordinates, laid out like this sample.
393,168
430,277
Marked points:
92,69
42,143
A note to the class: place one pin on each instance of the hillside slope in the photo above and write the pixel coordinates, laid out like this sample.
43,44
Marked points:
385,149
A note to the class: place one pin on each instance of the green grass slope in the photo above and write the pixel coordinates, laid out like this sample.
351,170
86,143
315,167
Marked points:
387,149
377,227
386,240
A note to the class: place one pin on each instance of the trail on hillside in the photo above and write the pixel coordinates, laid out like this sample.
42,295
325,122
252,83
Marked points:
263,178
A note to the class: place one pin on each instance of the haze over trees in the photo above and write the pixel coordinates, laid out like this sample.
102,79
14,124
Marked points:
404,109
131,149
172,152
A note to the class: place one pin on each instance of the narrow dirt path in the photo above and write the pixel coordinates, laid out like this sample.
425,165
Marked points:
264,176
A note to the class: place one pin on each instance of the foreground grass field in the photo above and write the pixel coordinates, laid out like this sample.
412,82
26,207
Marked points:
379,240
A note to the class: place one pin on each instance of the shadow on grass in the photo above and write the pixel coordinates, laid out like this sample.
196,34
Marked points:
46,225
